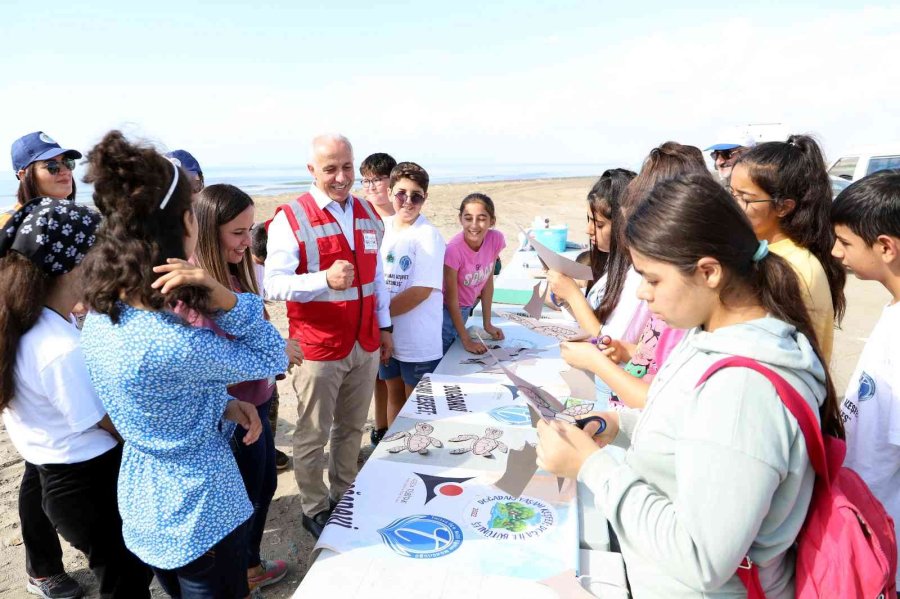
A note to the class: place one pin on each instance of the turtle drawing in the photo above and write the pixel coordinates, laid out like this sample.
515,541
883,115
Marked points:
416,442
482,446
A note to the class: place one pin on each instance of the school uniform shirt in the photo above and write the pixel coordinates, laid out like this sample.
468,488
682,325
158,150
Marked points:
473,268
164,386
53,416
871,413
414,257
814,287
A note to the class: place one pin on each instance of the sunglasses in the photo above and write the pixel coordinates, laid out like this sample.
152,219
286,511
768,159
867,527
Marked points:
415,197
53,166
725,154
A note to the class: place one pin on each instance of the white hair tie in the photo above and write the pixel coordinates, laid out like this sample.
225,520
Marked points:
169,193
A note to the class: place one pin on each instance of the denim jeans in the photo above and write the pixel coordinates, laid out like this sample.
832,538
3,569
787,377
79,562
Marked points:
448,333
221,572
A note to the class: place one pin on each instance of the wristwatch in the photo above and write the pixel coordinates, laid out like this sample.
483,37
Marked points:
388,329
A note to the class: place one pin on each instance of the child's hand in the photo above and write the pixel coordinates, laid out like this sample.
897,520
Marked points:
563,287
495,332
618,351
563,448
293,351
473,347
581,355
244,414
179,273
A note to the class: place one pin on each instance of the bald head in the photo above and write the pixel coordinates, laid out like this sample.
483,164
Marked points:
331,165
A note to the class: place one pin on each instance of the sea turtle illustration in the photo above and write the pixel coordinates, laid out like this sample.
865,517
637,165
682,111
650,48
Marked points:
482,446
416,442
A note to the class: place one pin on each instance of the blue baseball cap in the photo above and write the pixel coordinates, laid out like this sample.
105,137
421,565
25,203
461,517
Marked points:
185,160
37,146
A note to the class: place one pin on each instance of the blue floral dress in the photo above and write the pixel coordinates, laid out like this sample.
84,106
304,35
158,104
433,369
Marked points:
163,384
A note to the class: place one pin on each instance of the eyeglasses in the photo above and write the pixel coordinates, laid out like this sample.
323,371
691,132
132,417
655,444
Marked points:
743,201
373,181
725,154
53,166
415,197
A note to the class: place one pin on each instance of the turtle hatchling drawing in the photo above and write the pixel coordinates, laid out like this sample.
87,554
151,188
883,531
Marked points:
415,442
482,446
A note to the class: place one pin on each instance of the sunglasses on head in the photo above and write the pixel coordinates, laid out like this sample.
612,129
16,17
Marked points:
53,166
415,197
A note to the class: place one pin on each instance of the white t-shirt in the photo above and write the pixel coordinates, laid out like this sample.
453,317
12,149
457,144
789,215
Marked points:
52,419
627,319
871,413
414,257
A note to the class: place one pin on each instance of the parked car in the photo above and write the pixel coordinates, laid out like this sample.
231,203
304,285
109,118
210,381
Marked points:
838,185
856,165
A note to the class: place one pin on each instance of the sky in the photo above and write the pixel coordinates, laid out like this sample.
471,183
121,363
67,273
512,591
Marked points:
249,83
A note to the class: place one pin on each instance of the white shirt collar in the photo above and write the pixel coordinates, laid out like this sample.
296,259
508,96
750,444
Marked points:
322,200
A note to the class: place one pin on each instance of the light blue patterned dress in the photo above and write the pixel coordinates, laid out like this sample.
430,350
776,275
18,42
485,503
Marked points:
163,384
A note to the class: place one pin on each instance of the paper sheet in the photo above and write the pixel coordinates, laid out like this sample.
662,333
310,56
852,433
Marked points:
559,263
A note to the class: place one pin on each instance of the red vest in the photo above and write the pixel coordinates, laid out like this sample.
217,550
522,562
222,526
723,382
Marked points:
328,326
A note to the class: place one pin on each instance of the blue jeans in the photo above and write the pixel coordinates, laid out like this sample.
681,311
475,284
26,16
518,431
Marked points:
410,372
257,465
448,332
221,572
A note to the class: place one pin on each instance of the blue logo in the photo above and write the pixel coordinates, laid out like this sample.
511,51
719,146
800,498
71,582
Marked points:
515,415
405,263
866,387
422,537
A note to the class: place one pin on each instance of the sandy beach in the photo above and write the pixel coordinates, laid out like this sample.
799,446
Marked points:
518,202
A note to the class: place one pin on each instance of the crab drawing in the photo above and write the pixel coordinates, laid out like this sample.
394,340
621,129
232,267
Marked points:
482,446
416,442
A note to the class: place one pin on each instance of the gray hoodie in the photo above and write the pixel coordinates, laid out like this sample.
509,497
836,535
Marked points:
713,473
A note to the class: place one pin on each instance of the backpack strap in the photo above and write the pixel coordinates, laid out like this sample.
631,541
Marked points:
748,572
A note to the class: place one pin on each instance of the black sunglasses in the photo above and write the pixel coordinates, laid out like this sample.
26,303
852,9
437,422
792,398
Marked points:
725,154
53,166
415,197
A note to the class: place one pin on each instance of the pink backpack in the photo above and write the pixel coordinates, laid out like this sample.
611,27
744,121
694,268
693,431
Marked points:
847,546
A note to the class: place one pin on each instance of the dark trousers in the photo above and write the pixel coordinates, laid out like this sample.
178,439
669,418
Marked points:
43,554
80,500
257,465
220,573
273,411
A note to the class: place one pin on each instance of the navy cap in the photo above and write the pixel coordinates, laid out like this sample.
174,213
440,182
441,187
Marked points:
37,146
185,160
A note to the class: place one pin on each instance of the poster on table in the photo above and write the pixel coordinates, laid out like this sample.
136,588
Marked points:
455,515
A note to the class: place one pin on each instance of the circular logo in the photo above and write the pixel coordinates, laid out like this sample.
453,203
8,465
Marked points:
505,517
405,263
422,536
449,489
866,387
46,139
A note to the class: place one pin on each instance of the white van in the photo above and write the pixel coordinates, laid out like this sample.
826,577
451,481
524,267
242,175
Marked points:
856,165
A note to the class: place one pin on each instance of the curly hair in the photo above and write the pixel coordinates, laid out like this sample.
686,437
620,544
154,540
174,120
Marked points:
130,181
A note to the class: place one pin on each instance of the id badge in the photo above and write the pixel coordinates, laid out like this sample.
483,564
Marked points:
370,242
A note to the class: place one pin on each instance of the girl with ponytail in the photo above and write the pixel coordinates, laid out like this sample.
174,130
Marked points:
719,471
783,188
163,383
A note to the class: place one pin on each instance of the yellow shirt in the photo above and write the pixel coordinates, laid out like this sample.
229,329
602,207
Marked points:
815,289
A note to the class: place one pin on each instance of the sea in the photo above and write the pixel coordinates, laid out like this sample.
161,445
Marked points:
274,180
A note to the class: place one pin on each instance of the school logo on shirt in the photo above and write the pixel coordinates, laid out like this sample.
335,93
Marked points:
390,258
405,263
866,387
422,536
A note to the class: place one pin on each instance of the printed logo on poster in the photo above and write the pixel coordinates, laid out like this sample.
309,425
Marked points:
512,415
866,387
444,486
422,536
509,518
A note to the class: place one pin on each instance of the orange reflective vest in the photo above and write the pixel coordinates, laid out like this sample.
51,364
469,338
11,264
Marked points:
328,326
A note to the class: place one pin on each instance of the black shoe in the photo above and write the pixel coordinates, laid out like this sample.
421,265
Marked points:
377,435
316,524
282,461
60,586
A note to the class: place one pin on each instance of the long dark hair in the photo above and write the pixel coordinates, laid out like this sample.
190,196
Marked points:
603,198
130,182
664,162
23,292
28,189
216,205
695,201
796,170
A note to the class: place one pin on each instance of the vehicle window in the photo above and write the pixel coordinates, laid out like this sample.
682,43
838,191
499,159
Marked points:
880,163
844,168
